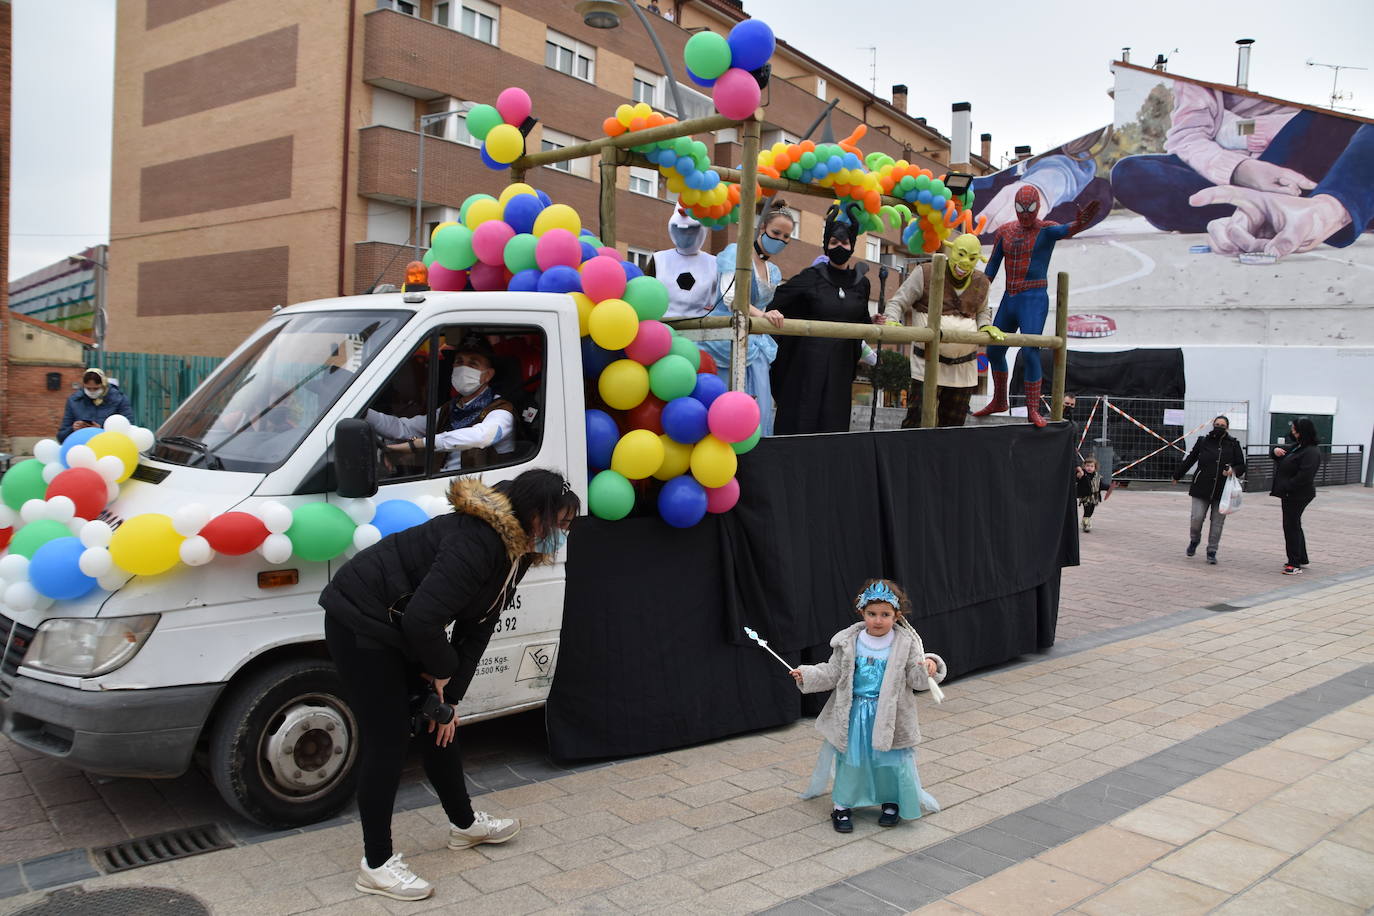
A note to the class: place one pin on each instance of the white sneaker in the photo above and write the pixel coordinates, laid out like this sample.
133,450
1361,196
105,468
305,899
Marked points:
393,879
484,829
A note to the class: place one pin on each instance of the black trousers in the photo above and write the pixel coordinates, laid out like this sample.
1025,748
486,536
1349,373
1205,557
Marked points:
1088,509
1294,541
951,405
379,682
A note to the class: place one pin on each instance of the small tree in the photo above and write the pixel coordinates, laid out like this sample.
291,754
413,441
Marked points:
893,375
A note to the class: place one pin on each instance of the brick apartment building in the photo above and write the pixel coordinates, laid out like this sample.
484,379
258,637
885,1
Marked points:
265,153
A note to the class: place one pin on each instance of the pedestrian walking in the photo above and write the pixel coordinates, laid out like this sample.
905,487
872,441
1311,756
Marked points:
1295,477
1218,455
1090,490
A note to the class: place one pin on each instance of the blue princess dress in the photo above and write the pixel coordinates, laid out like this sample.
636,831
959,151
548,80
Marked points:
864,777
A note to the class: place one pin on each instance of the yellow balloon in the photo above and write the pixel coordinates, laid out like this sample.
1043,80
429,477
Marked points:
557,216
713,462
481,211
443,225
637,455
513,189
118,445
505,143
623,384
584,311
146,545
677,458
613,324
625,114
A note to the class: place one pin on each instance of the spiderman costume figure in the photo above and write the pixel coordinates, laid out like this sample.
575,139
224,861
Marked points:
1025,246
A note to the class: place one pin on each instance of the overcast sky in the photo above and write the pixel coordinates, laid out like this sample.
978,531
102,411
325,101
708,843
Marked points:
1035,72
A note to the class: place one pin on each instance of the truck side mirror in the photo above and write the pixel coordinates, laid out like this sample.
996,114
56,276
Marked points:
355,459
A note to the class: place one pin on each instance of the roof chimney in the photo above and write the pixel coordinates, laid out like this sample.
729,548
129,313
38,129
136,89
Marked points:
1243,63
961,133
1125,55
1161,63
986,141
899,97
1022,152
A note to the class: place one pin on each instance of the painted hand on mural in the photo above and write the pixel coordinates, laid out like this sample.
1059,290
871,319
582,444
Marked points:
1276,224
1266,176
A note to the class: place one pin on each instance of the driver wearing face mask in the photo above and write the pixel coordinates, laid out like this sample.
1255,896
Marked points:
474,428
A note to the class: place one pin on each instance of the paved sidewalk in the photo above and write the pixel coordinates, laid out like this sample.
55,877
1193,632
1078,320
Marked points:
1205,761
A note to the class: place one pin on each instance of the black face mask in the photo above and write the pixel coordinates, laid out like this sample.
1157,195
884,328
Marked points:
1218,431
838,256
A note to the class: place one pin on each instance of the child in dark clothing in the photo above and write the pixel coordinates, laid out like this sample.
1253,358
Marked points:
1090,490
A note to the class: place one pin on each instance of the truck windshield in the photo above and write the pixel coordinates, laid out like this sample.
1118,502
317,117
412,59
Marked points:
258,406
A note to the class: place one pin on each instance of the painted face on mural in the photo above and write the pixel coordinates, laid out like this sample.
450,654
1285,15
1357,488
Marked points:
964,253
1027,206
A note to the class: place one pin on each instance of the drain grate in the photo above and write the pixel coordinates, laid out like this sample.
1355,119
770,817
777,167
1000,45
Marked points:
121,901
160,847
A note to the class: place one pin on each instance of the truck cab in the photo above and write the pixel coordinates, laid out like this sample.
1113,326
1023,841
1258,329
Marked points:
229,657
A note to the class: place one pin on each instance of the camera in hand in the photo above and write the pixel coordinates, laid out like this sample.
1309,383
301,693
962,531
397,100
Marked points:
428,707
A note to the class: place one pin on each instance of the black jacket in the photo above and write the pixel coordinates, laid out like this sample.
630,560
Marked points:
456,568
1212,454
1296,472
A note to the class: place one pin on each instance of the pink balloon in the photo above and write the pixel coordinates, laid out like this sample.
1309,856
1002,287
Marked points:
736,94
733,416
609,252
445,280
602,278
489,241
514,105
489,277
722,499
652,343
555,247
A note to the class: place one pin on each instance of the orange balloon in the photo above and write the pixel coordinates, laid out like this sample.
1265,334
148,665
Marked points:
612,127
732,192
638,124
872,202
654,119
807,146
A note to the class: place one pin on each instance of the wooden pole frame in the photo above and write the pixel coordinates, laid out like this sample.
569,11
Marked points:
1061,349
935,308
744,258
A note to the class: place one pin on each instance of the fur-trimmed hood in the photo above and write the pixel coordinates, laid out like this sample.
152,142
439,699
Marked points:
470,496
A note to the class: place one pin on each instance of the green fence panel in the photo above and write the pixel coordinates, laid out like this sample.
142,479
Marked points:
157,383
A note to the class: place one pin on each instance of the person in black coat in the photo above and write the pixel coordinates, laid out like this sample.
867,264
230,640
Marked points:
812,376
1218,455
1295,474
386,612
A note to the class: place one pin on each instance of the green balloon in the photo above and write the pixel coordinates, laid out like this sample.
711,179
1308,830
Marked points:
682,146
923,182
937,187
610,496
649,297
24,481
453,247
472,199
481,119
689,351
672,376
428,259
707,55
808,161
519,253
34,535
794,171
320,531
748,444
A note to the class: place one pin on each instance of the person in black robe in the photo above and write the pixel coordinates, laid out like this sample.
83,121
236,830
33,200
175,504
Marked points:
812,376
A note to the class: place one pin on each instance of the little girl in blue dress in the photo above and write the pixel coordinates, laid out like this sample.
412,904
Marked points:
869,722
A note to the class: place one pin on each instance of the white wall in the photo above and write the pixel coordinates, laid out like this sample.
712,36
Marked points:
392,109
389,222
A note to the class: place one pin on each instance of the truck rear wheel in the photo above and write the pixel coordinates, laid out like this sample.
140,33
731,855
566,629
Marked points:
285,745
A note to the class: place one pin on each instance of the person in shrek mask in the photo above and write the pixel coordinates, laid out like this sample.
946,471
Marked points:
965,308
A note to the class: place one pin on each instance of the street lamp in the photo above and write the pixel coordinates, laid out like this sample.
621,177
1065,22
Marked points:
101,321
605,14
426,120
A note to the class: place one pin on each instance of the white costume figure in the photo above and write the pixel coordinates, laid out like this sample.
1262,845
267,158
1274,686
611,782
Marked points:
691,275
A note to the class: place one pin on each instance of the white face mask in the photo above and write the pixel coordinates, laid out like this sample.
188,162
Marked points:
466,379
92,394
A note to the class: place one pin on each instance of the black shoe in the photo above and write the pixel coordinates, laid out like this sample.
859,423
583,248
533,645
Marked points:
889,816
1211,558
1192,548
843,820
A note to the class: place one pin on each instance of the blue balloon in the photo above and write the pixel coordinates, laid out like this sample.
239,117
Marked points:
685,165
684,420
560,279
490,162
588,249
751,44
712,179
924,197
544,199
698,80
835,163
631,270
820,171
397,515
80,437
521,212
55,570
602,435
526,281
938,201
709,387
595,359
682,502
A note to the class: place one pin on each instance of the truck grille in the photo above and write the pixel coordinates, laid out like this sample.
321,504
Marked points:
16,639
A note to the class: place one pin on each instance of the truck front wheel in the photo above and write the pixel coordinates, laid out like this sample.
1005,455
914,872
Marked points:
285,745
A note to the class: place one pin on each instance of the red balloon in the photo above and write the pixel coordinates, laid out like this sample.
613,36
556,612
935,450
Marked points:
647,415
708,363
5,535
83,487
235,533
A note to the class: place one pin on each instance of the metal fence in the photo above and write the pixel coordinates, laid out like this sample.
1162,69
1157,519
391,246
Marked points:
1341,464
157,383
1145,438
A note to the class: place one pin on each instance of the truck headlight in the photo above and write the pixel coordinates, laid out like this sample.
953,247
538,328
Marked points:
88,646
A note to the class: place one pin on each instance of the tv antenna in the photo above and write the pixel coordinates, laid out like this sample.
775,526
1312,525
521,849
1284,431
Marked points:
872,69
1336,94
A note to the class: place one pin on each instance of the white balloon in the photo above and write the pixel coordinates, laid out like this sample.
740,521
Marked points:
196,551
21,596
275,516
14,567
81,456
434,505
95,562
143,438
8,517
75,526
364,536
33,510
47,450
188,520
111,491
276,548
50,471
111,467
361,510
61,509
118,423
113,580
43,603
96,534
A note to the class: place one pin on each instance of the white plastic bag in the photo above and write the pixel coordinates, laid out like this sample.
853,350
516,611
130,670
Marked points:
1230,496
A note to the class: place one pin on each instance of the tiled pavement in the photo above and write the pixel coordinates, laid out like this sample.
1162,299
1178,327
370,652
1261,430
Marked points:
1208,761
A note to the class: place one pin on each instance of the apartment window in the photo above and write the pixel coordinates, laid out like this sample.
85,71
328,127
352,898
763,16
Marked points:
640,257
400,6
644,181
821,88
645,87
570,56
453,128
552,139
696,104
436,216
777,135
875,249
